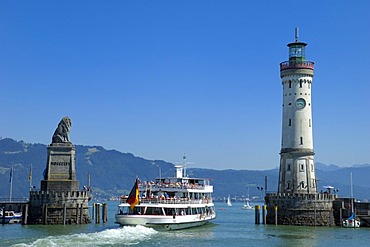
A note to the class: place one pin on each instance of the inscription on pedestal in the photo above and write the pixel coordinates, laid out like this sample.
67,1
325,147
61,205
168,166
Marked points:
60,166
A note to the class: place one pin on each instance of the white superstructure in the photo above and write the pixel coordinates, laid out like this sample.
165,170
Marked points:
171,203
297,170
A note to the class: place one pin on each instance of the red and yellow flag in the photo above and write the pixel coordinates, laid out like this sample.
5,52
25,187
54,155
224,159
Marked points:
133,197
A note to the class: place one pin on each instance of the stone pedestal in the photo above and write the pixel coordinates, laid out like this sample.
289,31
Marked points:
60,172
300,209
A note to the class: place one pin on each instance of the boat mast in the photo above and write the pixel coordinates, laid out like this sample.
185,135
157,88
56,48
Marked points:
30,177
352,204
11,184
88,182
184,160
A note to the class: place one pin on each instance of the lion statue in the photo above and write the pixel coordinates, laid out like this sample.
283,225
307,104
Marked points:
62,131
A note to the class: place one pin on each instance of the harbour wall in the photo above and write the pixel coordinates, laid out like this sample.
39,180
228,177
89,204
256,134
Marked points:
53,207
300,209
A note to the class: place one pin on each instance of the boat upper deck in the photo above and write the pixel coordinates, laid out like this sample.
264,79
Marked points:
177,184
170,201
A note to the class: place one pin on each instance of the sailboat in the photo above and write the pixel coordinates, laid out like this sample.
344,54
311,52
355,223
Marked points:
229,201
246,206
351,222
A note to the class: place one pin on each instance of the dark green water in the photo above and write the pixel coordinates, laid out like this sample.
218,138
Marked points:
232,227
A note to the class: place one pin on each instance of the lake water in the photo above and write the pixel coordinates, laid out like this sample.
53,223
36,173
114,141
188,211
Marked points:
232,227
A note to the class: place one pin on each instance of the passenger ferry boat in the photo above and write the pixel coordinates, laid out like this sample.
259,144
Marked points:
171,203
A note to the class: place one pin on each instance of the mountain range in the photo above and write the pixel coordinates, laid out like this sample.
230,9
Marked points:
112,173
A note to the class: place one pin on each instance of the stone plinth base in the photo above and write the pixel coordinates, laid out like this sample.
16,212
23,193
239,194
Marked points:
300,209
61,162
58,208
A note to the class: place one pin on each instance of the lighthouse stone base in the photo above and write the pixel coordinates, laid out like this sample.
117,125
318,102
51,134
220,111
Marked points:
300,209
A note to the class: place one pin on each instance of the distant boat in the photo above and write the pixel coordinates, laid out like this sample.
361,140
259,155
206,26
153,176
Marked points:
246,206
229,202
10,217
351,222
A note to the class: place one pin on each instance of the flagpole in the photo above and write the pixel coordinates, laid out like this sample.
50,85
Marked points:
30,177
11,185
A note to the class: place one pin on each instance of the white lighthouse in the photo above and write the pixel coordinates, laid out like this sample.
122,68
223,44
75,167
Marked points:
297,169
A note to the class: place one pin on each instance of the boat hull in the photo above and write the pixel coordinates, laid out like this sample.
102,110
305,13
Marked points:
10,217
166,222
351,223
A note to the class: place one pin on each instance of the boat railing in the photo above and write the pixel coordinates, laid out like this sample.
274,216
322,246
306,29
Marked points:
296,65
171,200
171,185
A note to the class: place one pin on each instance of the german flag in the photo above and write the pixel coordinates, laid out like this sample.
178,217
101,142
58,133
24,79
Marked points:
133,197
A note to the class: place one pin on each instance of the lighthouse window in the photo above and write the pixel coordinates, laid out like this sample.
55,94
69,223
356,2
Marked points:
290,84
301,140
300,83
309,122
290,122
309,85
288,185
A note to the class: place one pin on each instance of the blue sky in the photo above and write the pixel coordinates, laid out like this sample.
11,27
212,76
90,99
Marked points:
160,78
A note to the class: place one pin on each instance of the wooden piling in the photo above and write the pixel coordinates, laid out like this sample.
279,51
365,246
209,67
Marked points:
276,215
264,214
92,211
97,213
25,214
104,212
257,214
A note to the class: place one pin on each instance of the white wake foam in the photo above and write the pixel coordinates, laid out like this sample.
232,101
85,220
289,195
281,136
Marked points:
127,235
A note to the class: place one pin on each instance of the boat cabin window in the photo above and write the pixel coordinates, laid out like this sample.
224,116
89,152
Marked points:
123,210
170,211
182,211
153,211
188,211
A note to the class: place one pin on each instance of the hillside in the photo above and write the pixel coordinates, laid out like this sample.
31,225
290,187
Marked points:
113,172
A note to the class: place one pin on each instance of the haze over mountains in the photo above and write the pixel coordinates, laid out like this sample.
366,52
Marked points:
113,173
